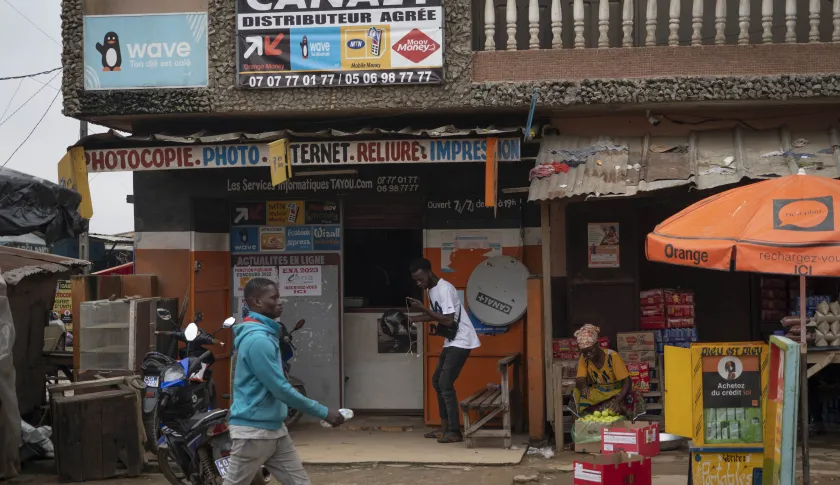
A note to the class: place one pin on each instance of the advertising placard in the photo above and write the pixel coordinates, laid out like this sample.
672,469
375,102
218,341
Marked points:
63,304
300,281
285,213
321,153
145,51
242,275
732,399
602,239
338,43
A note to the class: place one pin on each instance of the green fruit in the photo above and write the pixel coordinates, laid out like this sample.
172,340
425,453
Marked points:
597,414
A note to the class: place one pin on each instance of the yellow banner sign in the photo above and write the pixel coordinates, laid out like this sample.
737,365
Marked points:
279,159
72,174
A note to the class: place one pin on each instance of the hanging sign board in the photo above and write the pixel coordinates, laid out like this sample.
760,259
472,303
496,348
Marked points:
301,154
305,44
278,159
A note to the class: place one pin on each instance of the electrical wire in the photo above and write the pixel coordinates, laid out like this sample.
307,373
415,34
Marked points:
33,129
9,105
2,122
24,76
33,23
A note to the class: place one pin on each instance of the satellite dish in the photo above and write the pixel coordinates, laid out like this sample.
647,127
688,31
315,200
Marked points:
497,292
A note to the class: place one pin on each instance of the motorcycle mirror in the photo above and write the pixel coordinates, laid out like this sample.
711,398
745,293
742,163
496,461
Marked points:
191,332
299,324
164,314
229,321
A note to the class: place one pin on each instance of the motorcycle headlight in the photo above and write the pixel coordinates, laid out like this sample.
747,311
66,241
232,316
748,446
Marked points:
174,373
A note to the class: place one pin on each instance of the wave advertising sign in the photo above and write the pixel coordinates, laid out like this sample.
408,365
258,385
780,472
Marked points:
313,43
145,51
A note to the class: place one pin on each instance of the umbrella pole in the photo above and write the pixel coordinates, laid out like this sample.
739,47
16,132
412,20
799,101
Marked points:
803,384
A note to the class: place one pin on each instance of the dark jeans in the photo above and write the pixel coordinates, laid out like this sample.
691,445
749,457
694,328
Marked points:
450,363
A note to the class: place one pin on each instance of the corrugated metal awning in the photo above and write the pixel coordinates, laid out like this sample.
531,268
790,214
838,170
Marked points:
16,264
116,139
615,166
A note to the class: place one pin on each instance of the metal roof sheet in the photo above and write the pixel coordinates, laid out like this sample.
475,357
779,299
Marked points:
113,138
16,264
616,166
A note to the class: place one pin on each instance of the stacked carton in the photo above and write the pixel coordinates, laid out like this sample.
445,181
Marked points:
637,348
567,348
661,309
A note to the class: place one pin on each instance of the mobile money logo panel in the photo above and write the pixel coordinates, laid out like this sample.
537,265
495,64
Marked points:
805,215
416,46
366,47
316,49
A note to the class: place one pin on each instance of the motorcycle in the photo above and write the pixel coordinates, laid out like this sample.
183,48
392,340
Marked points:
198,396
287,351
194,450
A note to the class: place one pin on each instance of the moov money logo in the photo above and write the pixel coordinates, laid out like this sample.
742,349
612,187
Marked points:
813,214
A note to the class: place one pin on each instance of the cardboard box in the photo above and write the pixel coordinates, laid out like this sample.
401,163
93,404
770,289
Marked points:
666,297
679,311
639,357
640,376
653,323
639,438
570,355
652,310
636,341
686,322
613,469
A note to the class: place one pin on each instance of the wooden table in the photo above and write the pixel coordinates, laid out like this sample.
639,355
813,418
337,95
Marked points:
821,357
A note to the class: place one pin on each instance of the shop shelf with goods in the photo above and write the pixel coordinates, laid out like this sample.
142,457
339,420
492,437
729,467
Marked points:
115,335
666,308
566,357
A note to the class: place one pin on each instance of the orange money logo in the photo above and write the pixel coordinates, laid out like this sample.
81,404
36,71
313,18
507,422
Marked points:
811,214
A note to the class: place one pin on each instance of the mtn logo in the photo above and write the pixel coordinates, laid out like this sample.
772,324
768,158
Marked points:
416,46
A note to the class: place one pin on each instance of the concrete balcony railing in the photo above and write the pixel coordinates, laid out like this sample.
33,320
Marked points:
578,24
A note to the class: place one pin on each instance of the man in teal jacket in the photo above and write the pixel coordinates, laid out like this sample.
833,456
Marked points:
261,396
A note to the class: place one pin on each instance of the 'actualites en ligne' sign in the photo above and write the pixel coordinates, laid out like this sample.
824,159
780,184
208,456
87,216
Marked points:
302,154
309,43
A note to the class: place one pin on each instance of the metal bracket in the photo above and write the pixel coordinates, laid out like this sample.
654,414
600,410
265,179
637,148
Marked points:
829,358
197,266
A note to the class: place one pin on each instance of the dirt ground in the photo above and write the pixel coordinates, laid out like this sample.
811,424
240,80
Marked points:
668,469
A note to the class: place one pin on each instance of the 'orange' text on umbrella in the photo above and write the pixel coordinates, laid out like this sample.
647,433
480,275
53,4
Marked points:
789,225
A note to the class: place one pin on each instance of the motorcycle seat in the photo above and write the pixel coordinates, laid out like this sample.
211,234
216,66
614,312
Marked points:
199,419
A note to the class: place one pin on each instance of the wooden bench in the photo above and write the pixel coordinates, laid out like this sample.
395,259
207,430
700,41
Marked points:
489,403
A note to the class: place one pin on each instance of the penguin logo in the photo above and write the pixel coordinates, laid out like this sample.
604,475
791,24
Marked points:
304,48
111,56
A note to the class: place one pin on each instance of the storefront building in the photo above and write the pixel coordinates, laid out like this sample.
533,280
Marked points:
388,130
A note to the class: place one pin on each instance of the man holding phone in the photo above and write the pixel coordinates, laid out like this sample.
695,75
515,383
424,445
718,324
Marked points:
459,339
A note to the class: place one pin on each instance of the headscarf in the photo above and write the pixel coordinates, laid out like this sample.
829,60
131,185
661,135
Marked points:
587,336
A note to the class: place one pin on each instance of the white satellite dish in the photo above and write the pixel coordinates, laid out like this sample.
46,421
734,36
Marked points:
497,292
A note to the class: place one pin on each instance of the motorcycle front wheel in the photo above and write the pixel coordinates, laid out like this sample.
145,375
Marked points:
170,468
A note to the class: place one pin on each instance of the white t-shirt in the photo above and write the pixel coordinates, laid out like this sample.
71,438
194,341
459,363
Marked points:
444,300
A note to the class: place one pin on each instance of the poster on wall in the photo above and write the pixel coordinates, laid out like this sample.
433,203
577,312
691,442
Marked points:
243,274
300,281
732,399
145,51
64,303
285,212
303,45
603,245
467,248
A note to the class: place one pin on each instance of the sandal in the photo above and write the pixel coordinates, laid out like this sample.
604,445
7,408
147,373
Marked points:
436,434
450,437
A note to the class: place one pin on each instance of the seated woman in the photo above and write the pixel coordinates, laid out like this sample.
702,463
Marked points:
603,382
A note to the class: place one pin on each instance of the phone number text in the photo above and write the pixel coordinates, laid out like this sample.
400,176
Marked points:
350,78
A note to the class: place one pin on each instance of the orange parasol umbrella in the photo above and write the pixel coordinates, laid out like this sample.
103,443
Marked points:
787,225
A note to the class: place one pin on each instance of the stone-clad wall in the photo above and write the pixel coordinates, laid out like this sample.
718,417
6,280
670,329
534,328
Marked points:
560,76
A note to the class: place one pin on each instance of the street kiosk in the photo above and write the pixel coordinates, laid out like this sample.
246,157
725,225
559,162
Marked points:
716,394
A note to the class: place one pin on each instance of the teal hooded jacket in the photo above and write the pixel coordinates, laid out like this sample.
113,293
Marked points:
261,392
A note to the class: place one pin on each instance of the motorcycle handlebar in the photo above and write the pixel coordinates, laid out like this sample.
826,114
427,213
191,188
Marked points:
196,364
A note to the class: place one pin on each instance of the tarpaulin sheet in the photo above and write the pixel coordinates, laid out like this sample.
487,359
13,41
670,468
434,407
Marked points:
9,415
29,204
